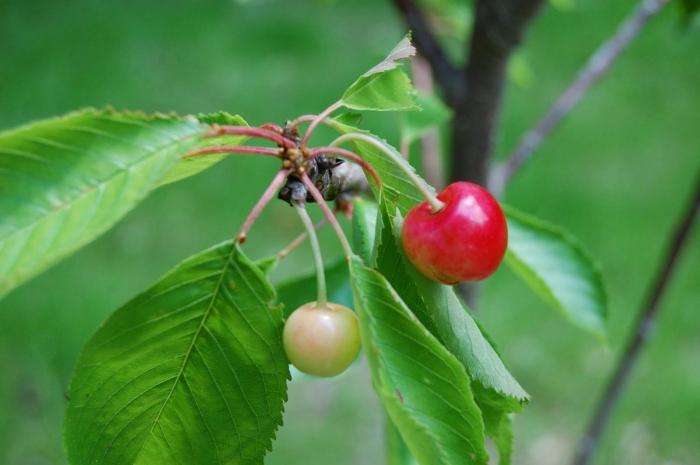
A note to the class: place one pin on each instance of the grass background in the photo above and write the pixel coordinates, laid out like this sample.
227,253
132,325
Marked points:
616,174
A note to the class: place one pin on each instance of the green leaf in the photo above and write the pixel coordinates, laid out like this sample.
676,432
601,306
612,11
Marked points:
557,267
398,189
221,118
433,113
187,167
445,315
298,291
268,264
390,263
66,180
191,371
499,426
424,388
385,87
364,223
438,306
351,118
389,91
397,452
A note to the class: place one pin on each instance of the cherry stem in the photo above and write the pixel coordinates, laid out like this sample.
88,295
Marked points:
321,295
350,156
434,202
254,132
302,119
317,120
269,193
308,118
272,127
232,150
330,217
298,241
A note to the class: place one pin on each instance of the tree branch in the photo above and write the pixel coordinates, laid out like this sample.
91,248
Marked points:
498,28
592,71
449,77
639,337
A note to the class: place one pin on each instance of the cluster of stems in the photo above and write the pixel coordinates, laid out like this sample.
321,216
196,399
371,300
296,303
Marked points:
296,156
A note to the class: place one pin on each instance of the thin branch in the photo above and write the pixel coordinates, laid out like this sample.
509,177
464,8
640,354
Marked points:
450,77
596,66
498,28
640,336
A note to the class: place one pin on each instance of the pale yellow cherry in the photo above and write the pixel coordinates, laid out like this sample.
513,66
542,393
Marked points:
322,341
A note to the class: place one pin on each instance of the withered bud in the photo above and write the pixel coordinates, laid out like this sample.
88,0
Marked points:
334,178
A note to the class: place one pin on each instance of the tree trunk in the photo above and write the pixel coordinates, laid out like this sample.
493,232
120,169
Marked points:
498,28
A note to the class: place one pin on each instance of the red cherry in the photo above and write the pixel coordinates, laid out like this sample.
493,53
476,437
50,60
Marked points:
464,241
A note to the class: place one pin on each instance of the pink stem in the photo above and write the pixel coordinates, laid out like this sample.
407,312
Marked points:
317,120
350,156
269,193
309,118
255,132
301,119
328,214
233,149
272,127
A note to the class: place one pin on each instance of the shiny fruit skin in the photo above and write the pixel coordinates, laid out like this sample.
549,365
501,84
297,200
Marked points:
464,241
322,341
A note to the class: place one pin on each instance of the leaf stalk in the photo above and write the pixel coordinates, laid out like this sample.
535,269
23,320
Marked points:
317,120
328,214
269,193
233,150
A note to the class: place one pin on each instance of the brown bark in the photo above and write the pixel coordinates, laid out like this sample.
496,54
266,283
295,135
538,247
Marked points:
498,29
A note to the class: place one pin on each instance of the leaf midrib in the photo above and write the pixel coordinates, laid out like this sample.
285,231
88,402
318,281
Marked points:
91,189
416,417
188,353
354,90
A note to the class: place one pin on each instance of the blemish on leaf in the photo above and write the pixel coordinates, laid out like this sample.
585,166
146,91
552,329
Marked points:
399,395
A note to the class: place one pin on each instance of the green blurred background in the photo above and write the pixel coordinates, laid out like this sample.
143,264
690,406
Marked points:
616,175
